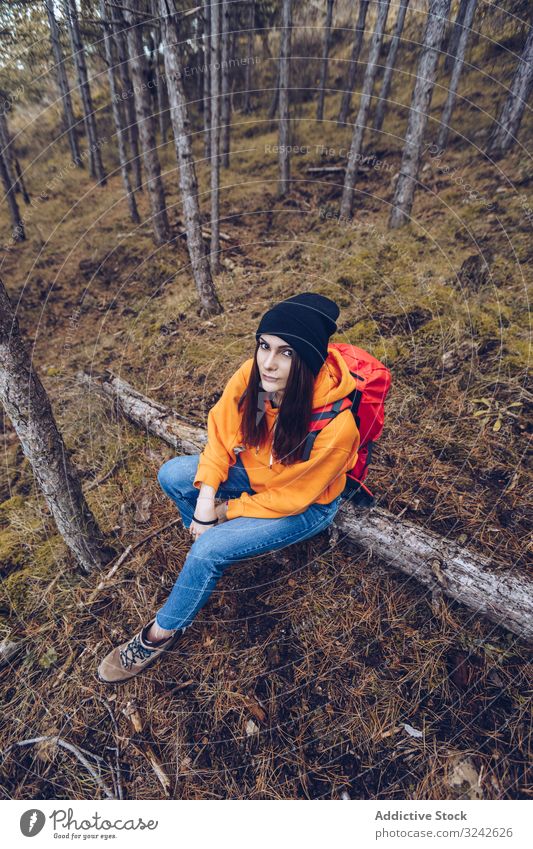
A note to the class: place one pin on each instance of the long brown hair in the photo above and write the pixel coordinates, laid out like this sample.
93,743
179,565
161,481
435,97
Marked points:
294,414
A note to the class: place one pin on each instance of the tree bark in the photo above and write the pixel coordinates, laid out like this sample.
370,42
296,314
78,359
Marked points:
14,170
210,304
145,122
389,67
207,77
275,99
119,29
441,565
506,129
284,83
353,66
455,35
470,8
160,86
418,112
225,113
364,109
27,405
96,167
324,65
214,257
117,113
247,102
19,233
62,81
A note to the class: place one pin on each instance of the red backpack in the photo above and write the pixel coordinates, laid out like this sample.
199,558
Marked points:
367,403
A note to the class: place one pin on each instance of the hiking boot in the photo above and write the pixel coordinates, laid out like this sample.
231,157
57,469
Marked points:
133,656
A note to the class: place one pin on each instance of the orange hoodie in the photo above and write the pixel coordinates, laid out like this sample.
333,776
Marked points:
281,490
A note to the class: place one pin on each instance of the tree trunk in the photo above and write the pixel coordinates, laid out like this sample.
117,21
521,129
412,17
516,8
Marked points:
247,102
207,78
117,113
455,35
444,566
275,99
389,67
354,59
62,81
470,8
27,405
96,167
364,109
506,129
210,304
145,122
284,83
19,233
418,113
324,65
119,29
215,137
161,92
11,161
225,116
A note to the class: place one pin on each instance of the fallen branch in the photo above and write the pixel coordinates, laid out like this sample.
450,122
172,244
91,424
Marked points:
442,565
75,751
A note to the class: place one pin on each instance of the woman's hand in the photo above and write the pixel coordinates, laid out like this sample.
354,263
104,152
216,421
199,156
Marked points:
205,512
221,511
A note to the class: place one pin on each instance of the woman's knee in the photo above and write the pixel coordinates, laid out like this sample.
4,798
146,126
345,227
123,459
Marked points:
176,473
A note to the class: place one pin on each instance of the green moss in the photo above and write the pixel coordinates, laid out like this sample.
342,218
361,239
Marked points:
12,551
23,588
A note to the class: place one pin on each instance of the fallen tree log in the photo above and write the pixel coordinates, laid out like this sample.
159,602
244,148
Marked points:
442,565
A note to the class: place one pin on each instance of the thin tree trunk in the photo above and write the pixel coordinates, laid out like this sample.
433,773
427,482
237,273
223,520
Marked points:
275,99
438,13
455,35
119,29
284,83
11,161
27,405
62,81
324,65
364,109
145,122
354,59
207,78
117,113
389,68
210,304
441,565
506,128
19,233
247,102
215,137
456,73
225,116
161,93
95,157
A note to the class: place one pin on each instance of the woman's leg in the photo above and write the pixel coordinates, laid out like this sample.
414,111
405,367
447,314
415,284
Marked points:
237,539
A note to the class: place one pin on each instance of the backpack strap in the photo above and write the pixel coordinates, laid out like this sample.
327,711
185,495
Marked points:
323,415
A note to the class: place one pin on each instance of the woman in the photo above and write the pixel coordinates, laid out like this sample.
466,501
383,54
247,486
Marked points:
256,438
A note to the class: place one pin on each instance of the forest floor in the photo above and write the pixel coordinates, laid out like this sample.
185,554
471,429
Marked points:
319,671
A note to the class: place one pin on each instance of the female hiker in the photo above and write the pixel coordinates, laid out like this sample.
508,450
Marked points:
256,436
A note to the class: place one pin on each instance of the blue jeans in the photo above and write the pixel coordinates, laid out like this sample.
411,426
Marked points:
226,543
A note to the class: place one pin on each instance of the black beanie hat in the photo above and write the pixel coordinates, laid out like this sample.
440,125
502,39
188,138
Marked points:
305,322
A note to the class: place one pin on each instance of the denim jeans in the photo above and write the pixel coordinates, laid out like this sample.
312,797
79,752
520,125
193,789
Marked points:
226,543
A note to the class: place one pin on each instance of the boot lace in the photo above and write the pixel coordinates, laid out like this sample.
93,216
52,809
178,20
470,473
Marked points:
134,651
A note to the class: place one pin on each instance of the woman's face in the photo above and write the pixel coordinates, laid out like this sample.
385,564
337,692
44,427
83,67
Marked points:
274,357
